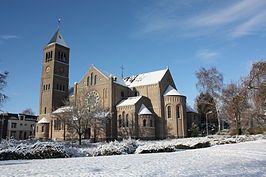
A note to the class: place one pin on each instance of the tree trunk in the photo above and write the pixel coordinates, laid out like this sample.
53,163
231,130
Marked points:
94,135
80,138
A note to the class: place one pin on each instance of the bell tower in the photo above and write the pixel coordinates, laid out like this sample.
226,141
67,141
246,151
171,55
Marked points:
54,82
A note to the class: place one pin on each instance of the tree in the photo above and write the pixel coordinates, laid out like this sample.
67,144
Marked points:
235,103
28,111
82,113
3,82
255,84
211,81
204,104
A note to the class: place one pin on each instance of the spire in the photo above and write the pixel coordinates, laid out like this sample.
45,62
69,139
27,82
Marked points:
58,39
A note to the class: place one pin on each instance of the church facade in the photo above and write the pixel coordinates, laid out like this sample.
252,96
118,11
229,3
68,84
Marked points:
144,106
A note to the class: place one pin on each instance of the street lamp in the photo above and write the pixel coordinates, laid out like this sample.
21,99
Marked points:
207,129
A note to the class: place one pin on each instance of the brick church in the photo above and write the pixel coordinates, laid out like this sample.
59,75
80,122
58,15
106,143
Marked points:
149,100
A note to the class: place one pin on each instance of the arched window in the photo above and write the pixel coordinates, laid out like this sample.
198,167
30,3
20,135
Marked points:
64,57
51,54
126,120
61,56
95,79
88,80
151,125
105,93
123,118
42,128
144,122
122,94
119,121
169,113
177,111
91,78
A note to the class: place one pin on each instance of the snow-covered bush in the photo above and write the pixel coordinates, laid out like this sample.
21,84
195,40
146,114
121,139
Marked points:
155,148
38,150
116,148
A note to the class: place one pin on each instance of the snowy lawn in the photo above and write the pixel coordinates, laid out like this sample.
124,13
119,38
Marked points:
241,159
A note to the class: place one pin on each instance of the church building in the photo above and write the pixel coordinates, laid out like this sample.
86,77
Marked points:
143,106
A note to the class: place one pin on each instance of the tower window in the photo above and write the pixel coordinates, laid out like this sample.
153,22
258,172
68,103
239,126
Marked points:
48,86
51,54
169,113
64,57
58,57
42,128
151,125
44,110
122,94
63,87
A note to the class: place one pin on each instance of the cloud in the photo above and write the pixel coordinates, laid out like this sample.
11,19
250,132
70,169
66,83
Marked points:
207,55
198,18
8,36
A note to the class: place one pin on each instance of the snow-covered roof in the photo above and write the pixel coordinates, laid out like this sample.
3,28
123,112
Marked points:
58,39
129,101
171,91
62,109
43,121
190,109
145,78
144,110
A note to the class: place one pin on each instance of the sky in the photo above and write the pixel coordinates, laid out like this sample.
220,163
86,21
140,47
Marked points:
142,36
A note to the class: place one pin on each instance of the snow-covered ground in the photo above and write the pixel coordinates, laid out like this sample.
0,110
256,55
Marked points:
241,159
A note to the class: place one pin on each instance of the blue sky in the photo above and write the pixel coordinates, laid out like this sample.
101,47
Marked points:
141,35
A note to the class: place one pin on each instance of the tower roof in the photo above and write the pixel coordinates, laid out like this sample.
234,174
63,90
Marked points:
58,39
171,91
144,110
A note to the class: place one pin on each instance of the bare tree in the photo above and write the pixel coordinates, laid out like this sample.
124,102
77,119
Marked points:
255,84
3,82
28,111
84,112
211,81
235,103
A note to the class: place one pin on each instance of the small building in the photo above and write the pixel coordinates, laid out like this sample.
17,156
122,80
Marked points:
17,126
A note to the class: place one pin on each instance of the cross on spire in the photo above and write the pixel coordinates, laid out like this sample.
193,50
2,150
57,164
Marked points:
58,23
122,71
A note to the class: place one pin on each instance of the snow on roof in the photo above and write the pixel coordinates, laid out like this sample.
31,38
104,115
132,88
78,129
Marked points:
58,39
62,109
129,101
145,78
144,110
190,109
171,91
43,121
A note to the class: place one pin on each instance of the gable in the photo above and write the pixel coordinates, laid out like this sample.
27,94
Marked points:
92,74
